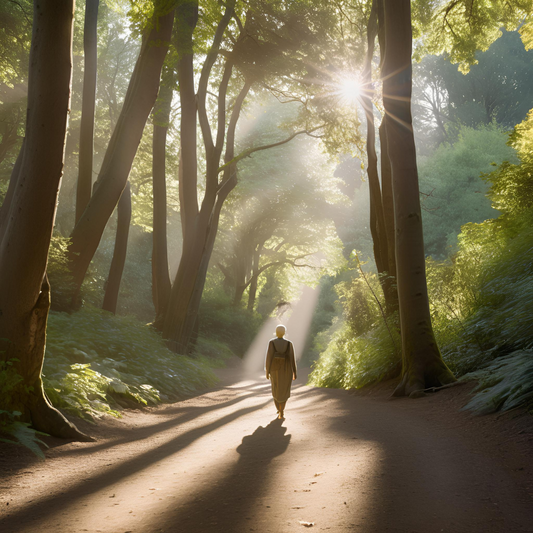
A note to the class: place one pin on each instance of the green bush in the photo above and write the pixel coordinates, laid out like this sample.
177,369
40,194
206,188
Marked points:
226,324
19,432
505,383
97,362
351,362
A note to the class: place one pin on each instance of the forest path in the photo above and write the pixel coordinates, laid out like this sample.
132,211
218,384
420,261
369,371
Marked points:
220,462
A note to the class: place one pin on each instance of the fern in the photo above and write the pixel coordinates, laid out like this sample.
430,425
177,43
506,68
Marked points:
23,434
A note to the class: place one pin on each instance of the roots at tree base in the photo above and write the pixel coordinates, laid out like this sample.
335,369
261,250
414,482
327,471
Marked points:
46,418
417,376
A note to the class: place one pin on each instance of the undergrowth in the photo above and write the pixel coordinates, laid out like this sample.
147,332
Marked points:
481,302
96,363
13,430
361,347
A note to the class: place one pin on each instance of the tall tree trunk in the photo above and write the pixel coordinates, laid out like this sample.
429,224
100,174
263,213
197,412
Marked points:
24,290
160,276
139,101
422,363
389,283
380,236
252,293
119,253
6,204
239,292
182,288
199,226
85,167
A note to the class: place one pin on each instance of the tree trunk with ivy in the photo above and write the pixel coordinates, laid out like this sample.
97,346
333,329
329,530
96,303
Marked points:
24,289
423,366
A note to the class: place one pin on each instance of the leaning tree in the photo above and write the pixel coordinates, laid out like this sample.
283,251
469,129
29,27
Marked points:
28,214
116,166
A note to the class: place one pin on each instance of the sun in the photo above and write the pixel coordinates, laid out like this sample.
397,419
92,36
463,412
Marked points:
350,89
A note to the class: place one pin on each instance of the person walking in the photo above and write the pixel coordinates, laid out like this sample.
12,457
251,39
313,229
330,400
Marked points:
280,368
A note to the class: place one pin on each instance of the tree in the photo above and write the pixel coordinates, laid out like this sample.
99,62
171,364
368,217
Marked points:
160,275
114,278
266,41
498,88
422,363
277,216
24,289
454,192
139,101
85,175
381,198
15,39
463,27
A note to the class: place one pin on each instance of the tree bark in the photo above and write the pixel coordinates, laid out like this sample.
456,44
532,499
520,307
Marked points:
160,275
389,282
24,290
252,293
85,167
139,101
4,210
378,226
423,366
119,253
199,225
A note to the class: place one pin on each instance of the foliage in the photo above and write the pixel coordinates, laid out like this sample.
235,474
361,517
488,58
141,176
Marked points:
497,89
96,362
23,434
10,383
482,301
223,323
58,273
504,384
328,307
363,348
462,27
351,362
512,184
453,192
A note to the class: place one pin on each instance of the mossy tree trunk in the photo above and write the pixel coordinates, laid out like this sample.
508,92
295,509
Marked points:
27,227
422,362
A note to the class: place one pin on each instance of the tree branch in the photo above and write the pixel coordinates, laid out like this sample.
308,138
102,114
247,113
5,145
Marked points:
250,151
206,71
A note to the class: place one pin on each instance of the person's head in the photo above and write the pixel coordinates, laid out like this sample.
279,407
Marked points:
280,331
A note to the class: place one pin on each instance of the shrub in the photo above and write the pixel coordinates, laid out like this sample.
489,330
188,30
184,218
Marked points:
97,362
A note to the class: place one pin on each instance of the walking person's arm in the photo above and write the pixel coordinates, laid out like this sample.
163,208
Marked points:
269,356
293,362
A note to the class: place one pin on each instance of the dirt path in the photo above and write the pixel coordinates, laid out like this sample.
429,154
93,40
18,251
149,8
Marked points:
221,462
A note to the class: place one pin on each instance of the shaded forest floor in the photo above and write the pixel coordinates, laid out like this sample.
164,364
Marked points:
221,462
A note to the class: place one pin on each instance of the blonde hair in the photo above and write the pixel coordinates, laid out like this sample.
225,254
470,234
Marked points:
280,330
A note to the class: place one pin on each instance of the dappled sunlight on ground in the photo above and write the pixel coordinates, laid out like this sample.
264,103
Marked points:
222,462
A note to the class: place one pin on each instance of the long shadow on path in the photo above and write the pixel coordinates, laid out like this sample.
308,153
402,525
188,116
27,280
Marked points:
228,505
55,503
